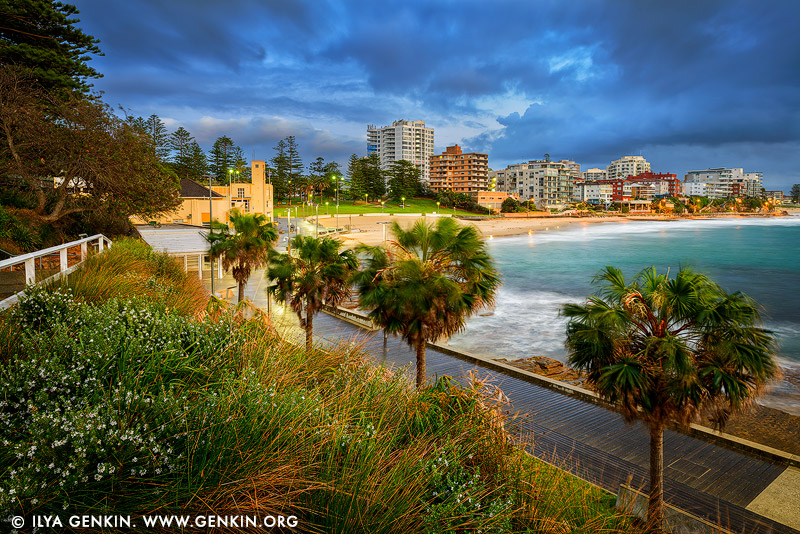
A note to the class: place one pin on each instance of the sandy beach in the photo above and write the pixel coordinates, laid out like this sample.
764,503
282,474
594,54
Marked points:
369,230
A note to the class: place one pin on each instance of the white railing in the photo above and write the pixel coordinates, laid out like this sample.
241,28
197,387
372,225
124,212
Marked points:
29,261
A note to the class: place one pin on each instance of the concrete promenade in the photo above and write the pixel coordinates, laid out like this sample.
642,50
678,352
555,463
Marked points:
741,492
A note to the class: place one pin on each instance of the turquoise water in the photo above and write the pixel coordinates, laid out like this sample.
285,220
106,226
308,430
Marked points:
544,270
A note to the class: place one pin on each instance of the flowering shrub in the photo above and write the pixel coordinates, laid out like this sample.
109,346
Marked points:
458,498
95,398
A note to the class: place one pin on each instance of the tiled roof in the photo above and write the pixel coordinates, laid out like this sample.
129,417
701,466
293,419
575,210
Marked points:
191,189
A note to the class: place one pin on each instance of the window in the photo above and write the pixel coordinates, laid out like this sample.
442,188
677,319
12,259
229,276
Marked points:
240,192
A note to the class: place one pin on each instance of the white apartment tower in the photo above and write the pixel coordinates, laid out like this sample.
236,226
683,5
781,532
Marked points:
550,184
723,183
408,140
627,166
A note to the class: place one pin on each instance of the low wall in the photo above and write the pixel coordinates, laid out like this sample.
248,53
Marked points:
677,521
697,431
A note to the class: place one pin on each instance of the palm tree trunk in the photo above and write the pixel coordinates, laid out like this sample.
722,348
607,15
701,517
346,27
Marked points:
241,291
309,327
655,506
420,347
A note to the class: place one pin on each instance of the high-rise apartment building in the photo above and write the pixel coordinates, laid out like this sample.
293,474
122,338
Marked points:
458,172
723,183
627,166
549,184
408,140
591,175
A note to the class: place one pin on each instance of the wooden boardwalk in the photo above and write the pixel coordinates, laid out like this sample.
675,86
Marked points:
596,444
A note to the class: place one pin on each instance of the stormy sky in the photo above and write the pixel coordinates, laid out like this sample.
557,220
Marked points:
687,84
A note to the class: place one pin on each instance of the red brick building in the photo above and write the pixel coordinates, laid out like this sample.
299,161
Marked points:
458,172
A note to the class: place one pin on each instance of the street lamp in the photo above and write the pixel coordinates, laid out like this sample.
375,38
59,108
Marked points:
437,208
326,207
382,203
404,202
365,198
210,219
336,179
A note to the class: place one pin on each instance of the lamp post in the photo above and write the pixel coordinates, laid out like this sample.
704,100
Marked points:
437,208
210,218
316,226
326,208
382,203
404,202
365,198
336,179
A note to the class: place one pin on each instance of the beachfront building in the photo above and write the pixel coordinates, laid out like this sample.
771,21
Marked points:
455,171
550,184
627,166
644,186
598,192
590,175
775,197
725,183
197,208
408,140
494,199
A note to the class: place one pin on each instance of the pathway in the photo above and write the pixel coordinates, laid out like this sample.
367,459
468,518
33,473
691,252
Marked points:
596,444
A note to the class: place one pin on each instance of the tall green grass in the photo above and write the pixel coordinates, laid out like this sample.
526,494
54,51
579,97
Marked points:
131,269
123,406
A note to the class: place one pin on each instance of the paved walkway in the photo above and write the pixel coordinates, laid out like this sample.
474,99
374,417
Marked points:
722,485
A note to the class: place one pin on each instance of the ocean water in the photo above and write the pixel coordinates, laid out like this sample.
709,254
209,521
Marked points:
543,271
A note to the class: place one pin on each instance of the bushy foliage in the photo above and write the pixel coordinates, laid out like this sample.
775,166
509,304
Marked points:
461,201
123,406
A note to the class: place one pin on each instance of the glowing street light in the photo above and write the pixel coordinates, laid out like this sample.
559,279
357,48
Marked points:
326,207
382,203
404,202
437,208
337,180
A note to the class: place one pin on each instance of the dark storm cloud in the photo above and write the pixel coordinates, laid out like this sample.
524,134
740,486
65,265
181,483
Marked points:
589,81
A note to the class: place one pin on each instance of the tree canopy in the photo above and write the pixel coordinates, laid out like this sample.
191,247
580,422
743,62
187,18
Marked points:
426,282
669,349
41,36
73,155
316,274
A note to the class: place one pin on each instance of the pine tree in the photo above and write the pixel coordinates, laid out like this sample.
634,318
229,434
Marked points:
220,159
40,36
179,142
404,180
355,174
374,176
294,162
157,133
280,171
198,164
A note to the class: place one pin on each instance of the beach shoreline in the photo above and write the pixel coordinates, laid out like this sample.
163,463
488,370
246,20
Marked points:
369,230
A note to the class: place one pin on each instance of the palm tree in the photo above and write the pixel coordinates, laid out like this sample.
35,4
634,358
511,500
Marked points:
243,247
316,274
664,350
425,283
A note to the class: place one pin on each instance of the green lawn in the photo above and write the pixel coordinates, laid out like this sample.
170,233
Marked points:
414,205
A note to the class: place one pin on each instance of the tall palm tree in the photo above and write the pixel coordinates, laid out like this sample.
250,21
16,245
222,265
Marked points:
664,350
316,274
244,246
425,283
